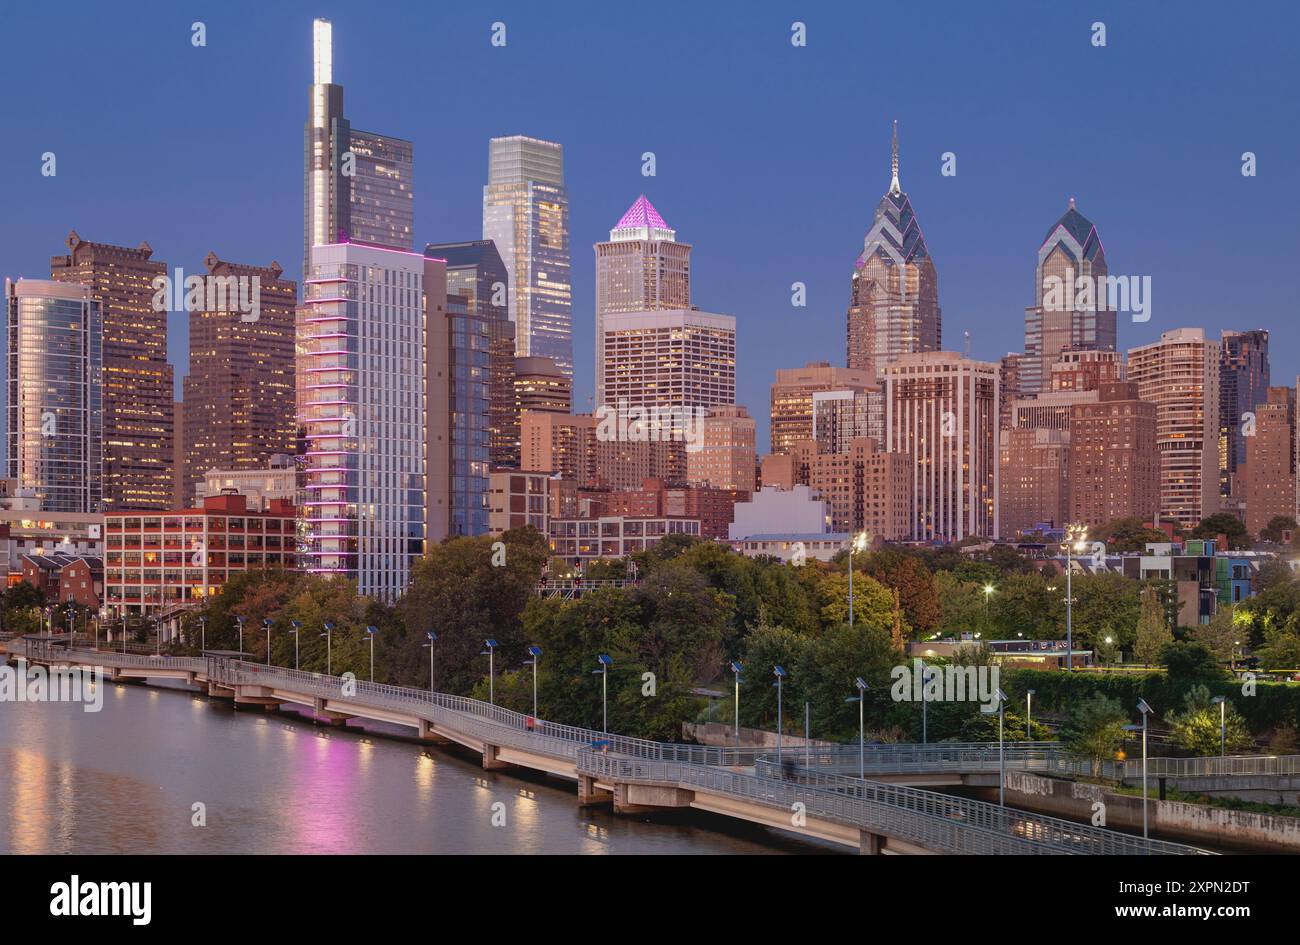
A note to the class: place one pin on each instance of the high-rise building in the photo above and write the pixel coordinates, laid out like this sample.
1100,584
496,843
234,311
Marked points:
541,385
357,185
138,393
841,416
864,488
1009,385
1071,299
1180,375
671,358
1114,460
725,459
942,408
894,297
526,213
55,424
1034,479
476,273
377,413
641,269
1243,383
792,413
1269,468
239,393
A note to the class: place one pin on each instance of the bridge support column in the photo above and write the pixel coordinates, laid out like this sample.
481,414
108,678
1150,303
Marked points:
490,762
427,733
869,843
589,795
647,798
324,716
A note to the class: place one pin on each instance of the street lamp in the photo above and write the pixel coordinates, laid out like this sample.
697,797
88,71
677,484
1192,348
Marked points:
297,628
1223,723
735,669
432,638
861,700
605,663
240,620
266,622
203,634
1076,540
1029,715
329,651
1002,756
859,543
926,675
779,673
536,653
1146,711
988,592
370,632
490,652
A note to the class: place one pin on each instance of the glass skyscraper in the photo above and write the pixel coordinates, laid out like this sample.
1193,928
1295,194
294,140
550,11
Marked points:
526,213
54,376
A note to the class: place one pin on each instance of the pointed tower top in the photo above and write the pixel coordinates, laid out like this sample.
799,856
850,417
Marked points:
1071,203
893,184
642,221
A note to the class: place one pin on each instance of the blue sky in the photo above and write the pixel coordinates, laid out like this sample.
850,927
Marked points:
770,158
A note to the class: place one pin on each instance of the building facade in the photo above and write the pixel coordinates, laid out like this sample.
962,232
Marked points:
865,490
526,214
539,384
1269,466
54,424
793,393
726,458
1114,457
1243,384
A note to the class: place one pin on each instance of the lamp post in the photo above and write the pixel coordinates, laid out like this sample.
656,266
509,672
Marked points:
329,651
536,653
490,652
1145,710
859,543
370,632
988,592
1223,724
861,700
925,715
779,673
157,635
432,638
1002,755
1029,715
1076,539
735,669
605,662
266,622
240,620
297,629
203,634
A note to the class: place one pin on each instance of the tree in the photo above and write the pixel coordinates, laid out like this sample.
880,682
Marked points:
1152,629
1186,659
1197,727
961,604
1128,534
1095,729
1223,523
1219,636
873,605
1276,525
915,584
1281,650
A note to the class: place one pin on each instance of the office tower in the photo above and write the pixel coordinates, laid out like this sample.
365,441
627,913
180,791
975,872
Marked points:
894,296
55,424
357,184
841,416
1034,479
726,456
138,396
1269,469
571,447
1009,385
239,394
376,352
526,213
641,269
466,392
792,398
1180,375
1243,383
942,408
864,488
1085,369
539,384
1071,299
476,273
1114,461
178,454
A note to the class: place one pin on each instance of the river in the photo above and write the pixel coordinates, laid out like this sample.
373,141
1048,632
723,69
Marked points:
127,779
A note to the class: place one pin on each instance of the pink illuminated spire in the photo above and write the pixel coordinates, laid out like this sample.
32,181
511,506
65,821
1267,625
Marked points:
642,213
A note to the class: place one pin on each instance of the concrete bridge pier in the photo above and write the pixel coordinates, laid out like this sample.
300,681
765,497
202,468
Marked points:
589,795
427,733
491,762
869,843
648,798
324,716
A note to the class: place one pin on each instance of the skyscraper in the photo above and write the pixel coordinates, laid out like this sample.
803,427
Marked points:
1269,465
138,398
642,268
942,408
792,411
1071,304
526,213
239,393
357,184
894,296
376,357
1114,459
1243,383
54,428
1180,375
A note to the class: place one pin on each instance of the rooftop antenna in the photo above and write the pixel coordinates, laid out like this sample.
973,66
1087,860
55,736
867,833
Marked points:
966,344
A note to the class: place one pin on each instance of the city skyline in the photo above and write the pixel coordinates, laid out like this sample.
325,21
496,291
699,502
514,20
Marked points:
981,233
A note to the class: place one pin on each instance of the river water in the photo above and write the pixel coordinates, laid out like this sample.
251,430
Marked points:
127,779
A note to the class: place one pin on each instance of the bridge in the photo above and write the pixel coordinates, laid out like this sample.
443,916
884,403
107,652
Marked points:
637,775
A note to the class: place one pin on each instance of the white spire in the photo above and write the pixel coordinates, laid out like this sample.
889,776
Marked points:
322,52
893,184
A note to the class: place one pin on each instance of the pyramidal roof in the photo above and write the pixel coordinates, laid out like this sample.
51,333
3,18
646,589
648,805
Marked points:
642,213
895,233
1080,228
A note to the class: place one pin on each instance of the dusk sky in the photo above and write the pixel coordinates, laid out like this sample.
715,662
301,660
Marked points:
770,158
